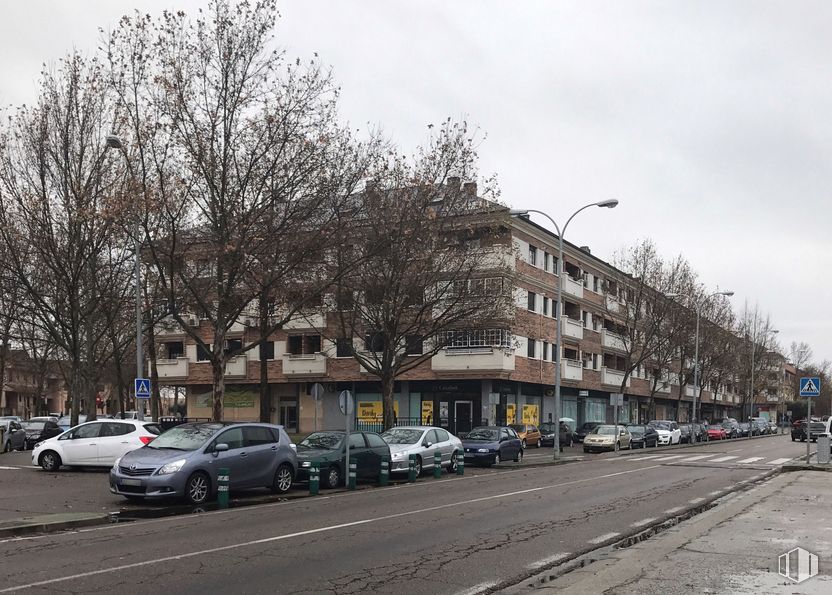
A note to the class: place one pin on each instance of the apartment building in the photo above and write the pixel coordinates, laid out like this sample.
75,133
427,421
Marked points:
28,390
484,375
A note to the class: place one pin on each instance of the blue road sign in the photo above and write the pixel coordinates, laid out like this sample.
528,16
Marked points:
810,386
142,388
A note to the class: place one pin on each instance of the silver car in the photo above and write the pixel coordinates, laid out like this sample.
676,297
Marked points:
424,442
183,462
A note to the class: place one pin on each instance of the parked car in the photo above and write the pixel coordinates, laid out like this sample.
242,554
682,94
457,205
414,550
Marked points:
669,432
183,462
422,441
761,425
717,432
700,432
547,434
64,422
11,418
529,434
772,426
643,436
93,444
38,431
329,450
746,429
731,427
607,437
488,445
816,429
14,436
585,429
685,434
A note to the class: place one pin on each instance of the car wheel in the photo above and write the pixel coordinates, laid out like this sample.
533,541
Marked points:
617,446
497,459
571,444
282,479
333,477
198,488
523,443
793,440
418,466
50,461
6,447
452,466
519,457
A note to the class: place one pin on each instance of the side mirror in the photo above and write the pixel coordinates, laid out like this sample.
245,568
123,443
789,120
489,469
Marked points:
427,444
218,448
503,439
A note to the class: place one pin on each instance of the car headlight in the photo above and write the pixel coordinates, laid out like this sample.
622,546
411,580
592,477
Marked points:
172,467
483,450
115,465
306,464
397,456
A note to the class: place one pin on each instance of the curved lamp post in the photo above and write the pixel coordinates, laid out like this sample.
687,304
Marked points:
609,204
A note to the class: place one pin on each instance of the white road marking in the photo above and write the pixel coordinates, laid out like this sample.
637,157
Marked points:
597,540
751,460
722,459
9,468
778,461
715,493
673,510
642,458
276,538
696,458
696,500
669,458
736,450
548,560
479,588
642,522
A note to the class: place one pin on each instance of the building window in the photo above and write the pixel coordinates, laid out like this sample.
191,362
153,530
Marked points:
203,353
546,261
343,347
414,345
267,350
531,347
586,279
545,306
303,344
594,361
232,345
596,323
294,345
532,301
313,344
532,255
545,351
175,349
374,342
595,284
555,264
464,339
586,318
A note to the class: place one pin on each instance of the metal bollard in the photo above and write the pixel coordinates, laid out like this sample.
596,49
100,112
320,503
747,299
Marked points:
460,464
352,474
437,465
411,468
384,476
314,478
222,487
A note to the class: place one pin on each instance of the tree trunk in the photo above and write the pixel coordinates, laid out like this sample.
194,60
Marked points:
76,388
218,369
155,395
387,386
265,393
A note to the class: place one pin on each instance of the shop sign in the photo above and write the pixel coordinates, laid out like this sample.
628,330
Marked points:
531,414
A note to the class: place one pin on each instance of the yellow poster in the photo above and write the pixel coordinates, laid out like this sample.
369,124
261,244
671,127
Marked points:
374,410
531,414
427,413
511,412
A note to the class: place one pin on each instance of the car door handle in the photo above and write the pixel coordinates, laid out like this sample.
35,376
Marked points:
125,442
243,455
274,447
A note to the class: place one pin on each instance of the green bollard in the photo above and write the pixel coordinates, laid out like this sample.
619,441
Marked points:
384,476
437,465
314,478
222,487
411,468
352,474
460,464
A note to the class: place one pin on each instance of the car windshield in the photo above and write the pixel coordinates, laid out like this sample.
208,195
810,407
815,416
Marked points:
660,425
549,426
604,430
322,440
185,437
482,434
518,427
33,425
589,425
637,429
402,436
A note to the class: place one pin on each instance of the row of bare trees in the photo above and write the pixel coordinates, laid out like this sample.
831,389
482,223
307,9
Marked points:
226,161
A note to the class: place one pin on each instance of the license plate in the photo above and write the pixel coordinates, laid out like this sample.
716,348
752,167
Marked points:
131,482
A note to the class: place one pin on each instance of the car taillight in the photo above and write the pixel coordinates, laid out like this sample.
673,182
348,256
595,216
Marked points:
146,439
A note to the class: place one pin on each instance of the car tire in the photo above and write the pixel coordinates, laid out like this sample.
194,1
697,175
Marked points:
617,447
333,477
282,479
198,488
519,457
6,447
50,460
523,443
497,459
418,465
793,439
452,465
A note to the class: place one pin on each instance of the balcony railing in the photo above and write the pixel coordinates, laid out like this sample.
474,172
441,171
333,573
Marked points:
304,321
237,367
613,377
612,340
572,369
171,368
308,363
473,358
573,287
572,328
613,305
689,390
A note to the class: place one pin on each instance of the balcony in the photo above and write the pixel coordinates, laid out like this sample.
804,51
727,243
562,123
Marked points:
304,321
307,363
237,367
612,340
689,390
573,287
169,327
572,328
572,369
473,358
170,369
663,386
612,377
613,305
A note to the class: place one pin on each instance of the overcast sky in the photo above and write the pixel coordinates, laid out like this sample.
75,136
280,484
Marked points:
709,121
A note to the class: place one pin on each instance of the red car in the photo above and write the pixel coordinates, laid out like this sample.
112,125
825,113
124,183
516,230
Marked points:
716,433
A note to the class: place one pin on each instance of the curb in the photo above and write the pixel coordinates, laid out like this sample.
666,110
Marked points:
27,527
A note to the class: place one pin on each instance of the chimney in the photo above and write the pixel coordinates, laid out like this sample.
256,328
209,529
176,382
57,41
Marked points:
453,182
586,249
470,188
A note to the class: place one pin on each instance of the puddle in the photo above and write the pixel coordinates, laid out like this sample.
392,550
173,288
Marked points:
161,511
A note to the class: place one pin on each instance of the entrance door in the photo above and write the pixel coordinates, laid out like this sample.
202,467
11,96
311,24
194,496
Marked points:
289,416
463,416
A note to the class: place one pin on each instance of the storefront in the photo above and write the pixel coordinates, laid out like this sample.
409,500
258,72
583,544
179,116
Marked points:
455,405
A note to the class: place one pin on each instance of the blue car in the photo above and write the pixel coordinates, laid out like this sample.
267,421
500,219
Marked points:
488,445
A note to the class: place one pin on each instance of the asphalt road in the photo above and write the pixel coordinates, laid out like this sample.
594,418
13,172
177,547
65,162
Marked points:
455,535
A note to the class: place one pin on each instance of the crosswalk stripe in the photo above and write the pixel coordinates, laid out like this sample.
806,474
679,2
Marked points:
751,460
723,459
9,468
696,458
670,457
778,461
641,458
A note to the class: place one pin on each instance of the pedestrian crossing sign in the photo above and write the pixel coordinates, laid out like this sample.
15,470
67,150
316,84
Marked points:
810,386
142,388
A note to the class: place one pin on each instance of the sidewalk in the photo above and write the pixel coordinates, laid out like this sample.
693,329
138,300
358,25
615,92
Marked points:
732,548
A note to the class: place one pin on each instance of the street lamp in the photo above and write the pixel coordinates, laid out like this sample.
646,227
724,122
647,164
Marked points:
609,204
115,142
696,345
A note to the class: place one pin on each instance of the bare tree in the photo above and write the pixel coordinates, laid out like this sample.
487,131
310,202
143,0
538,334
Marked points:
754,356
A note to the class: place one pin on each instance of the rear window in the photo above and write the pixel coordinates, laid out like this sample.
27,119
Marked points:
153,429
375,441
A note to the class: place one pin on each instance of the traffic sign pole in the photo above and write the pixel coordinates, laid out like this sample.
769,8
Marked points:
809,388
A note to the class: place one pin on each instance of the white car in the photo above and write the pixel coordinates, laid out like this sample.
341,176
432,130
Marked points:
669,431
424,442
94,444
